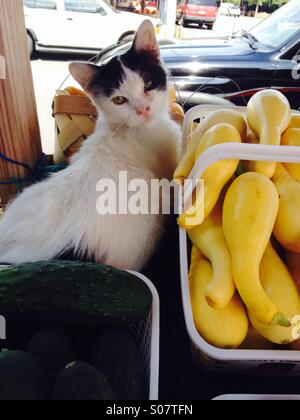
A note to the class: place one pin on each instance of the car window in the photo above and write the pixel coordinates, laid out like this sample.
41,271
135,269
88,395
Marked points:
41,4
83,6
281,26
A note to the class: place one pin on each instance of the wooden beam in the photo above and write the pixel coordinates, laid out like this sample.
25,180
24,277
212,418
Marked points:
19,129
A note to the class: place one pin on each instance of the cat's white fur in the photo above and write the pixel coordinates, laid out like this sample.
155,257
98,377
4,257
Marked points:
59,214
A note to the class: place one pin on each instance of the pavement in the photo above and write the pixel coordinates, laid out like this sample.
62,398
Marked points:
50,71
224,26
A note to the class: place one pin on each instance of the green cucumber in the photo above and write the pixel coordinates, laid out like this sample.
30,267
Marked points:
72,293
82,382
21,377
52,348
117,356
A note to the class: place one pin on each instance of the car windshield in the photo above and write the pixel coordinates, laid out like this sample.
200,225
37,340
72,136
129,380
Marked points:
204,2
282,25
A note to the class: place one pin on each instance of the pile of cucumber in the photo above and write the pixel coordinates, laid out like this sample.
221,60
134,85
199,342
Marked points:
68,332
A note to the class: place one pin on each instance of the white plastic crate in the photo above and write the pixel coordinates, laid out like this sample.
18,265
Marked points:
271,362
147,334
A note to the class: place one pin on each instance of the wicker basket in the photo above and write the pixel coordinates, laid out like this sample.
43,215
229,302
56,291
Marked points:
75,120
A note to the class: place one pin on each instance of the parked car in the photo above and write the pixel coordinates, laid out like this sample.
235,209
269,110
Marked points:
229,9
197,11
77,25
236,68
224,8
234,11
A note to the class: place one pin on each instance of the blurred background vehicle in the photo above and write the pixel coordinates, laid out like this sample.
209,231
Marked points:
197,11
224,8
234,11
229,9
77,25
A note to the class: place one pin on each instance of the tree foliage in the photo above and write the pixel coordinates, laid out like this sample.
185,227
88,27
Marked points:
268,3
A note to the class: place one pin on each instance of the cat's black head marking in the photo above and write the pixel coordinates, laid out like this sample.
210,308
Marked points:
110,76
147,66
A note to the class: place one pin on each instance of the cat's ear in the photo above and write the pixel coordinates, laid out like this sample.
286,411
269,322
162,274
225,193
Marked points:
145,39
83,73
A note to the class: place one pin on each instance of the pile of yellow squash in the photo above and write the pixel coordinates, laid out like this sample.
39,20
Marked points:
245,263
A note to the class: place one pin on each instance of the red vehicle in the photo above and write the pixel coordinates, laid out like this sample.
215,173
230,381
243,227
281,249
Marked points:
153,4
151,7
197,11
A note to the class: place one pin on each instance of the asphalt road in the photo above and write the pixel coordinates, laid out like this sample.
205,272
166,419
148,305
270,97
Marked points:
50,71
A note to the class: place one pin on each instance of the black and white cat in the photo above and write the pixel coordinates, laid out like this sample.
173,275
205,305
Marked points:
134,134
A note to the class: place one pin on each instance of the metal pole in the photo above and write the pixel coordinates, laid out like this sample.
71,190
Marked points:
168,17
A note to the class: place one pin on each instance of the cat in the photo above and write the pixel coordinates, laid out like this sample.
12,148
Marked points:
134,134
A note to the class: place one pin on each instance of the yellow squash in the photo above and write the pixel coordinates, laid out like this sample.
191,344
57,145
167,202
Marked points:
295,121
269,115
291,137
209,239
224,328
293,264
215,177
229,116
249,213
177,113
251,138
287,226
280,287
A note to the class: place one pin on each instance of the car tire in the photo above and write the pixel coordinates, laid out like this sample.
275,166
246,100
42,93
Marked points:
185,23
127,37
200,25
31,45
210,26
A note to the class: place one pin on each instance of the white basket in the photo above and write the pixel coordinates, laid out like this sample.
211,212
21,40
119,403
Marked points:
148,336
271,362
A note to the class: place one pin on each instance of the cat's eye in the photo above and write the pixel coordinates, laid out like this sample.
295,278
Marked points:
148,85
119,100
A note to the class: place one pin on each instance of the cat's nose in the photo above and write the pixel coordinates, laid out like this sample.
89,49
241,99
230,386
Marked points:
143,111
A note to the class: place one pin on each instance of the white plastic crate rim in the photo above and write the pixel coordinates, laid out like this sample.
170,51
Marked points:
252,152
147,333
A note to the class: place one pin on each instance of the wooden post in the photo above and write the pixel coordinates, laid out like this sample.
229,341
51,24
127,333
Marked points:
19,129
